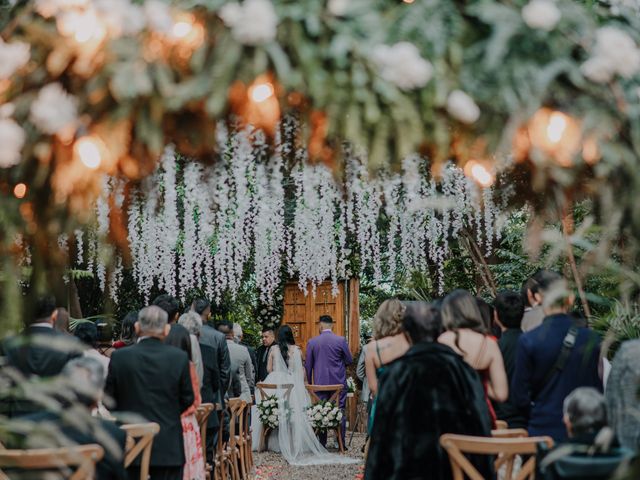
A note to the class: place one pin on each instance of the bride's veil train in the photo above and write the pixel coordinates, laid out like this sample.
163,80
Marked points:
296,439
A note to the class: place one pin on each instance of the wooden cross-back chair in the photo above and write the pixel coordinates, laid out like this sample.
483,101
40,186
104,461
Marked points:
139,443
75,463
501,425
504,449
510,433
267,389
231,456
335,391
248,440
202,416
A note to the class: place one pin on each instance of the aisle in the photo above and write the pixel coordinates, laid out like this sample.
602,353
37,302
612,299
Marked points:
271,466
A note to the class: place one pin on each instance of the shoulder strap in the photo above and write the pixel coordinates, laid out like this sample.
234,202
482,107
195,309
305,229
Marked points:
483,347
567,345
378,352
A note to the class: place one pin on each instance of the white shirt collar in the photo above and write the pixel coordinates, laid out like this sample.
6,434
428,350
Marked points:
326,330
42,324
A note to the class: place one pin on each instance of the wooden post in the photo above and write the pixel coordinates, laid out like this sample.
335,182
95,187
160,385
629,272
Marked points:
354,316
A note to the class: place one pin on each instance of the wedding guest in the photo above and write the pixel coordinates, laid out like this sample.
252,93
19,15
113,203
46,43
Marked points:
239,335
467,335
622,394
209,335
82,380
62,320
588,453
41,350
262,354
553,360
533,313
211,376
241,366
127,331
486,312
87,333
154,380
194,468
508,312
170,305
327,358
425,393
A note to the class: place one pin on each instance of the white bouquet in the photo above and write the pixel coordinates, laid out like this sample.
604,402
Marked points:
324,415
268,411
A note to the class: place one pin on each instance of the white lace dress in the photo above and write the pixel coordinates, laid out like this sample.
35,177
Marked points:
294,438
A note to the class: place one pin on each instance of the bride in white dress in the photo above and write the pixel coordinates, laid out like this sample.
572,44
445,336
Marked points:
294,438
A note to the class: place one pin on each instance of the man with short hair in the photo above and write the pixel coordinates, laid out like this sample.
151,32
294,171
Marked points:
327,358
262,354
83,377
241,366
533,313
552,360
153,380
239,335
508,311
170,305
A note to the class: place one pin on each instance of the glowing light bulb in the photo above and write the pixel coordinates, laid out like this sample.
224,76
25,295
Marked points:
557,126
479,173
261,92
20,190
181,29
83,27
88,151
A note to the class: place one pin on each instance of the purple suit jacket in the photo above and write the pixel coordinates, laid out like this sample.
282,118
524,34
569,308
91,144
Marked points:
327,358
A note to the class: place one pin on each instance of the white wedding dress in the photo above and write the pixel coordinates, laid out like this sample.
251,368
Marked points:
294,438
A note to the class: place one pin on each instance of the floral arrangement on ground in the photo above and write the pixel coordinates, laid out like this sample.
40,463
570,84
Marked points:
324,415
270,408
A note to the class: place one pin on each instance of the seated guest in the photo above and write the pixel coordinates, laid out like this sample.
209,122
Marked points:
587,455
82,380
127,331
41,350
87,333
425,393
154,380
622,395
553,360
211,377
509,309
467,335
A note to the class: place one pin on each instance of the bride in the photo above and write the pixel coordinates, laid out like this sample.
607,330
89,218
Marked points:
294,437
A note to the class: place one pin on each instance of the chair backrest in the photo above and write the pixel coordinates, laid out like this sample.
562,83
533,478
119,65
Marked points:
142,435
335,395
75,463
505,449
236,409
510,433
501,425
264,389
202,416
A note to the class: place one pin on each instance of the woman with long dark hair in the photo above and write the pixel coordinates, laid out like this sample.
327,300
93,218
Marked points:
295,437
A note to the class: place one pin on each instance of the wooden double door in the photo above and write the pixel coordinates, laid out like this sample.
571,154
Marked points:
302,313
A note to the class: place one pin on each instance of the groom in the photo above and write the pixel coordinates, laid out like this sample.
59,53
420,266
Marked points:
327,358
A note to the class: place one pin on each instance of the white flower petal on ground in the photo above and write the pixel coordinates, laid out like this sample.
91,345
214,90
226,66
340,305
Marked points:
12,138
13,56
541,14
54,109
254,22
402,65
462,107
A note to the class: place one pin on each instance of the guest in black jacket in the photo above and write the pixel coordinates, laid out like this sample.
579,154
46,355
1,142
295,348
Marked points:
262,354
82,381
429,391
509,310
153,380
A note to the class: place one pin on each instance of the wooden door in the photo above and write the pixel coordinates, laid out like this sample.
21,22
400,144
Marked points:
302,313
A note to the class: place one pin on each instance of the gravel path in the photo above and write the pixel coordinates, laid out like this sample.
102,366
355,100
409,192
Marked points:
270,465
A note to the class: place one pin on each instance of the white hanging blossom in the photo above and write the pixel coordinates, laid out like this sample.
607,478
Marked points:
191,259
54,110
254,22
13,56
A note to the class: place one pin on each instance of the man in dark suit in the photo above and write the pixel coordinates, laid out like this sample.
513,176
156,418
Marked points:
153,380
508,312
262,354
552,360
41,350
83,379
209,335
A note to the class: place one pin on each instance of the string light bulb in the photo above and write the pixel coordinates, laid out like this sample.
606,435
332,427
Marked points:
20,190
89,149
181,29
261,92
477,171
556,135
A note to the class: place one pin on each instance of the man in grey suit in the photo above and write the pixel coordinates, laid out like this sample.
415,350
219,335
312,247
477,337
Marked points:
213,338
241,365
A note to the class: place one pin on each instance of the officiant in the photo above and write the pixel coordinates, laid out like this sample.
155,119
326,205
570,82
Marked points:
262,354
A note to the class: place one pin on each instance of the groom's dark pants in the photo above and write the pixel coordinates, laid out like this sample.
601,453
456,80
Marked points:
343,403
